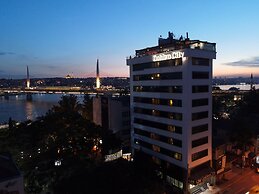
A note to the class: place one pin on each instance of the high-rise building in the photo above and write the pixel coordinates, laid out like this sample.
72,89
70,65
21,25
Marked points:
98,84
171,109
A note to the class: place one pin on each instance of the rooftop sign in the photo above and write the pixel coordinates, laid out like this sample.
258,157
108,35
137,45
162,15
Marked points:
168,56
112,157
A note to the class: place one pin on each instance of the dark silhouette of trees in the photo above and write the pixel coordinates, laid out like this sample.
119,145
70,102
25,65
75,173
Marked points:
245,120
87,107
62,152
56,145
115,177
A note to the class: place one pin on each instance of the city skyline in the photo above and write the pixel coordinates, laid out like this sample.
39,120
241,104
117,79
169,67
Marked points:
56,38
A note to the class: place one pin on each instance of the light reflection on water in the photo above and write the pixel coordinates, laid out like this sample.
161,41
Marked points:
20,109
29,111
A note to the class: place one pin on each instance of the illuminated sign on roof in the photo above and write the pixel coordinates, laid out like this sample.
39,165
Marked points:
168,56
114,156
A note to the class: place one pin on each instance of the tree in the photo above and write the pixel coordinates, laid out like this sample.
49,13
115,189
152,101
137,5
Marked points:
60,144
87,107
62,152
67,104
246,120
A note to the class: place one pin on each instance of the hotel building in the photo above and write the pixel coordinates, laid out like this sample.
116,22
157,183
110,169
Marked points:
171,109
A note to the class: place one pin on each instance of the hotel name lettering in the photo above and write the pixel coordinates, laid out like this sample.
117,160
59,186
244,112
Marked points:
168,56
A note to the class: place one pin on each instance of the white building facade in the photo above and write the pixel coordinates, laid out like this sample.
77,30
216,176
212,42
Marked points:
171,109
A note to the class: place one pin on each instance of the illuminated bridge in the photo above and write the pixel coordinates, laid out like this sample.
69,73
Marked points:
53,89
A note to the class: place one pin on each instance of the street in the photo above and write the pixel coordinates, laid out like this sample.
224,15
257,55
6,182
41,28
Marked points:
239,181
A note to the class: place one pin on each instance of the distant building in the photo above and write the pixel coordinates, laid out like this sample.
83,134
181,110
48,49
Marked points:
68,76
113,113
11,180
171,109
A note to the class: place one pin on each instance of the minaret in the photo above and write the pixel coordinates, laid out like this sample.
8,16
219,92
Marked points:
97,75
28,78
251,82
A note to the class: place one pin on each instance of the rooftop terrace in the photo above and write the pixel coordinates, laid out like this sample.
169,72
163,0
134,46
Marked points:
171,43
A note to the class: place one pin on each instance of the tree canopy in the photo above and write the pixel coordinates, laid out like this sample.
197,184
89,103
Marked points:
245,120
63,152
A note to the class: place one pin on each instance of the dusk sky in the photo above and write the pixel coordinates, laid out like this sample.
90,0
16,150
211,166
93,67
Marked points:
60,37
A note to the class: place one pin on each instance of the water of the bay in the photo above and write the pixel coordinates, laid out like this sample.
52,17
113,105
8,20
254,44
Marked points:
20,109
239,86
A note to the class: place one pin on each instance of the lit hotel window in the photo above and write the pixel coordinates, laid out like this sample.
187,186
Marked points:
155,113
178,156
171,141
171,102
155,101
171,128
156,148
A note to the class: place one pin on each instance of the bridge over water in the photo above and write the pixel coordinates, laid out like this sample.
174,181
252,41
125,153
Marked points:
53,89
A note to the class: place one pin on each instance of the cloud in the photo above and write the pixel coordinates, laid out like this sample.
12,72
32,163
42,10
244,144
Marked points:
252,62
6,53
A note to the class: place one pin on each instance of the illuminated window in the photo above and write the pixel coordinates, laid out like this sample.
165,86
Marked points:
58,163
170,141
191,186
171,128
171,102
94,148
171,116
154,136
155,101
156,148
174,182
157,76
178,156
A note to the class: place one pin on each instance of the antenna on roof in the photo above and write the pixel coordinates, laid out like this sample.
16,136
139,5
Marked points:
187,36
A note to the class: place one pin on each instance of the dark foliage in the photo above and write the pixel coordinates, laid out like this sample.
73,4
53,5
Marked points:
62,152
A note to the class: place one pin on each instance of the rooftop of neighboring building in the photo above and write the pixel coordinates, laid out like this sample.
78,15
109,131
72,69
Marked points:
8,169
125,99
171,43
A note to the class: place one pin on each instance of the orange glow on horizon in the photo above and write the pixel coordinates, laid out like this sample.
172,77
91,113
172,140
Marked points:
234,71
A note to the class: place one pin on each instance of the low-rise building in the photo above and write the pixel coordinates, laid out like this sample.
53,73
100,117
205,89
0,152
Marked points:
113,113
